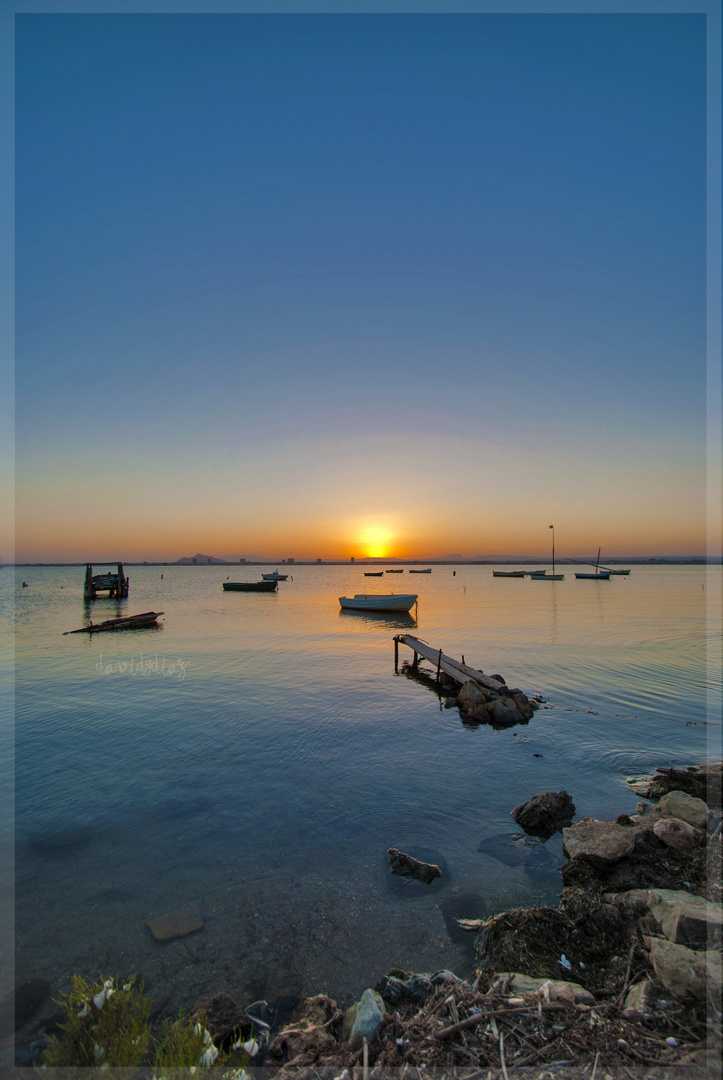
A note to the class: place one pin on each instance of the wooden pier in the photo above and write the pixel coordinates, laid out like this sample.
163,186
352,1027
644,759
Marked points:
116,585
459,671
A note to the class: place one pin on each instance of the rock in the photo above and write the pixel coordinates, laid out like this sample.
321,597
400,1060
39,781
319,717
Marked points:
523,704
176,923
362,1020
544,811
693,921
451,703
603,839
640,1001
308,1032
472,699
686,974
501,714
557,989
678,834
406,866
677,804
224,1018
400,985
683,919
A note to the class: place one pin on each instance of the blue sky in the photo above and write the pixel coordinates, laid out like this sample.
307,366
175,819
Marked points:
297,276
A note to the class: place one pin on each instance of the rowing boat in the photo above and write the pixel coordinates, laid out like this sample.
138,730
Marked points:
378,601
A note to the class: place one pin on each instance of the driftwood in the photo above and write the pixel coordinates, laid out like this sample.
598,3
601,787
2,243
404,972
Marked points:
406,866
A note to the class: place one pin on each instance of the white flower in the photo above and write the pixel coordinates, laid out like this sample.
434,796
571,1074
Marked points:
84,1011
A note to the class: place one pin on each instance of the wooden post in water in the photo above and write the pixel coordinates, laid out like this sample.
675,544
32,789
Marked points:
88,589
396,655
439,665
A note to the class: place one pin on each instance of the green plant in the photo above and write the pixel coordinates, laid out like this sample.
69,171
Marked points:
107,1026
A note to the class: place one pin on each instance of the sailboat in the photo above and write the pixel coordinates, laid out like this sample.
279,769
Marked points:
601,575
541,575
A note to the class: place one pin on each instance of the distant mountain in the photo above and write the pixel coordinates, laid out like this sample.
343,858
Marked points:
193,560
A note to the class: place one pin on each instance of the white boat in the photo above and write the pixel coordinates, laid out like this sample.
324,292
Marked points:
276,576
379,601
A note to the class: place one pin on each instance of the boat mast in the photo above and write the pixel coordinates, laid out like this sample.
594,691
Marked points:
553,548
597,564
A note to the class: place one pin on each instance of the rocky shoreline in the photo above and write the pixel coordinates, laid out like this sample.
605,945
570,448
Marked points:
624,975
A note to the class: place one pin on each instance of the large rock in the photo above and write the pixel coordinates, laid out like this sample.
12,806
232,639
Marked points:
523,704
677,804
686,974
684,919
223,1018
472,699
503,712
678,834
544,811
603,839
363,1019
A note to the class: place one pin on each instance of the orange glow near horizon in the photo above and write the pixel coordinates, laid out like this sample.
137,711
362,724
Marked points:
376,541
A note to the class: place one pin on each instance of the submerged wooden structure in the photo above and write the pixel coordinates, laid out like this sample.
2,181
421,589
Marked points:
127,622
116,585
251,586
459,671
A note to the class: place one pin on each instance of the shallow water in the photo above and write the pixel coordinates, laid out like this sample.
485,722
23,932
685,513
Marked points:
258,755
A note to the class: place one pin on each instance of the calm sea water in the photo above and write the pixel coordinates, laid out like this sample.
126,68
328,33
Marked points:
258,755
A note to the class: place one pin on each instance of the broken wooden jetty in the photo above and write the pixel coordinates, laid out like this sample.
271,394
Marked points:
116,585
127,622
459,671
480,698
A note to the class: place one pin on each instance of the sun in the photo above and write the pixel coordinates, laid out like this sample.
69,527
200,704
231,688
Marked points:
376,541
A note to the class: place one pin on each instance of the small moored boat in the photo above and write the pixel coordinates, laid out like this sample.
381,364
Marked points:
395,571
250,586
428,571
599,575
537,575
508,573
128,622
276,576
373,573
379,601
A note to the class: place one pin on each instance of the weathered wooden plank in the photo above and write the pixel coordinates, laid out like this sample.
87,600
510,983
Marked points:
454,668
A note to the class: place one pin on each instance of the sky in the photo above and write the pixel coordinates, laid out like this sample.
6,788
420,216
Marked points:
330,285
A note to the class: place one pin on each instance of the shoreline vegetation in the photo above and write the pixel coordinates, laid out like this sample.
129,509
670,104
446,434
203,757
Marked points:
625,975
